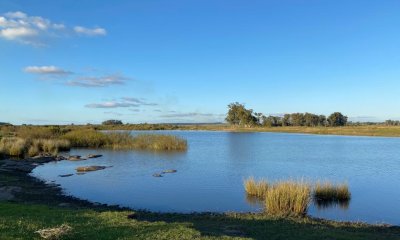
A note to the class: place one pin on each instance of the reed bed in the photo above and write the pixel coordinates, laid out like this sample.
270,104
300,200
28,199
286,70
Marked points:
124,140
325,191
256,188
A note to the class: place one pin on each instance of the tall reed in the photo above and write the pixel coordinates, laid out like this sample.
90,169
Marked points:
256,188
328,191
288,198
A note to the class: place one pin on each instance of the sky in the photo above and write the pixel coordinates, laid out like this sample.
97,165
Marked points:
152,61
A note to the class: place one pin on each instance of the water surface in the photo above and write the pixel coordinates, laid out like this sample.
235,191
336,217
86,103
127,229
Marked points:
210,174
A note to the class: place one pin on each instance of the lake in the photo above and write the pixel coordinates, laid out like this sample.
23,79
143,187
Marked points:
210,174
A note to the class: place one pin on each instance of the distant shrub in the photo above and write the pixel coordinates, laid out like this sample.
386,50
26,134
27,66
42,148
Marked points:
112,122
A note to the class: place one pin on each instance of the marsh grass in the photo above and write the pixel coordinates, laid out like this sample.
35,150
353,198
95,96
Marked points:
256,188
329,191
124,140
19,147
288,198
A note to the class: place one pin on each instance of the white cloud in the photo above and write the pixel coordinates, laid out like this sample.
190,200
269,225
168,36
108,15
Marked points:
17,33
111,105
90,31
102,81
35,30
46,70
17,14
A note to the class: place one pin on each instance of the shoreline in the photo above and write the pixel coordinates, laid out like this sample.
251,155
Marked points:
28,191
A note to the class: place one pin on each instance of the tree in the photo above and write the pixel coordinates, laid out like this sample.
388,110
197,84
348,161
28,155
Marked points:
310,120
297,119
112,122
286,120
321,120
239,115
337,119
272,121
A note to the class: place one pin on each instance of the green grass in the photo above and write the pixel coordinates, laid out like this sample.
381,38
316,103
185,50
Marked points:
20,221
288,198
328,191
256,188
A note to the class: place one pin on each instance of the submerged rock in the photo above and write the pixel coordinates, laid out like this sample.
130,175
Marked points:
90,168
94,156
169,171
66,175
157,175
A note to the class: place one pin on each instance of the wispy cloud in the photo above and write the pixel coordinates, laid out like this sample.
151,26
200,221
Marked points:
114,113
35,30
124,102
47,70
111,105
90,31
140,101
101,81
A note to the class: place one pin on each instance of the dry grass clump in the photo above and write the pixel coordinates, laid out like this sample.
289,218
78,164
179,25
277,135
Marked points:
54,233
52,146
19,147
256,188
288,198
13,146
328,191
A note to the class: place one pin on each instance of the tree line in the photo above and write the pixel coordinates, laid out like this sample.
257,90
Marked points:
239,115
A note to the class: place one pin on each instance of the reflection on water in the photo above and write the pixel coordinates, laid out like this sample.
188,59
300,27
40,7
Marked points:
255,201
210,174
331,203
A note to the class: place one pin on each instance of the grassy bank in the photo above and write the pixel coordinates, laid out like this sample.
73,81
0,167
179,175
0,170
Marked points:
20,221
365,130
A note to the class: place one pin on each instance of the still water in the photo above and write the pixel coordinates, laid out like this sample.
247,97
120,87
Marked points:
210,174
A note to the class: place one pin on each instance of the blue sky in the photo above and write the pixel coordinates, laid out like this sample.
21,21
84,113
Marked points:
184,61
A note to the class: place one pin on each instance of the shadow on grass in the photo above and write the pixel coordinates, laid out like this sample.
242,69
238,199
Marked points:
258,226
